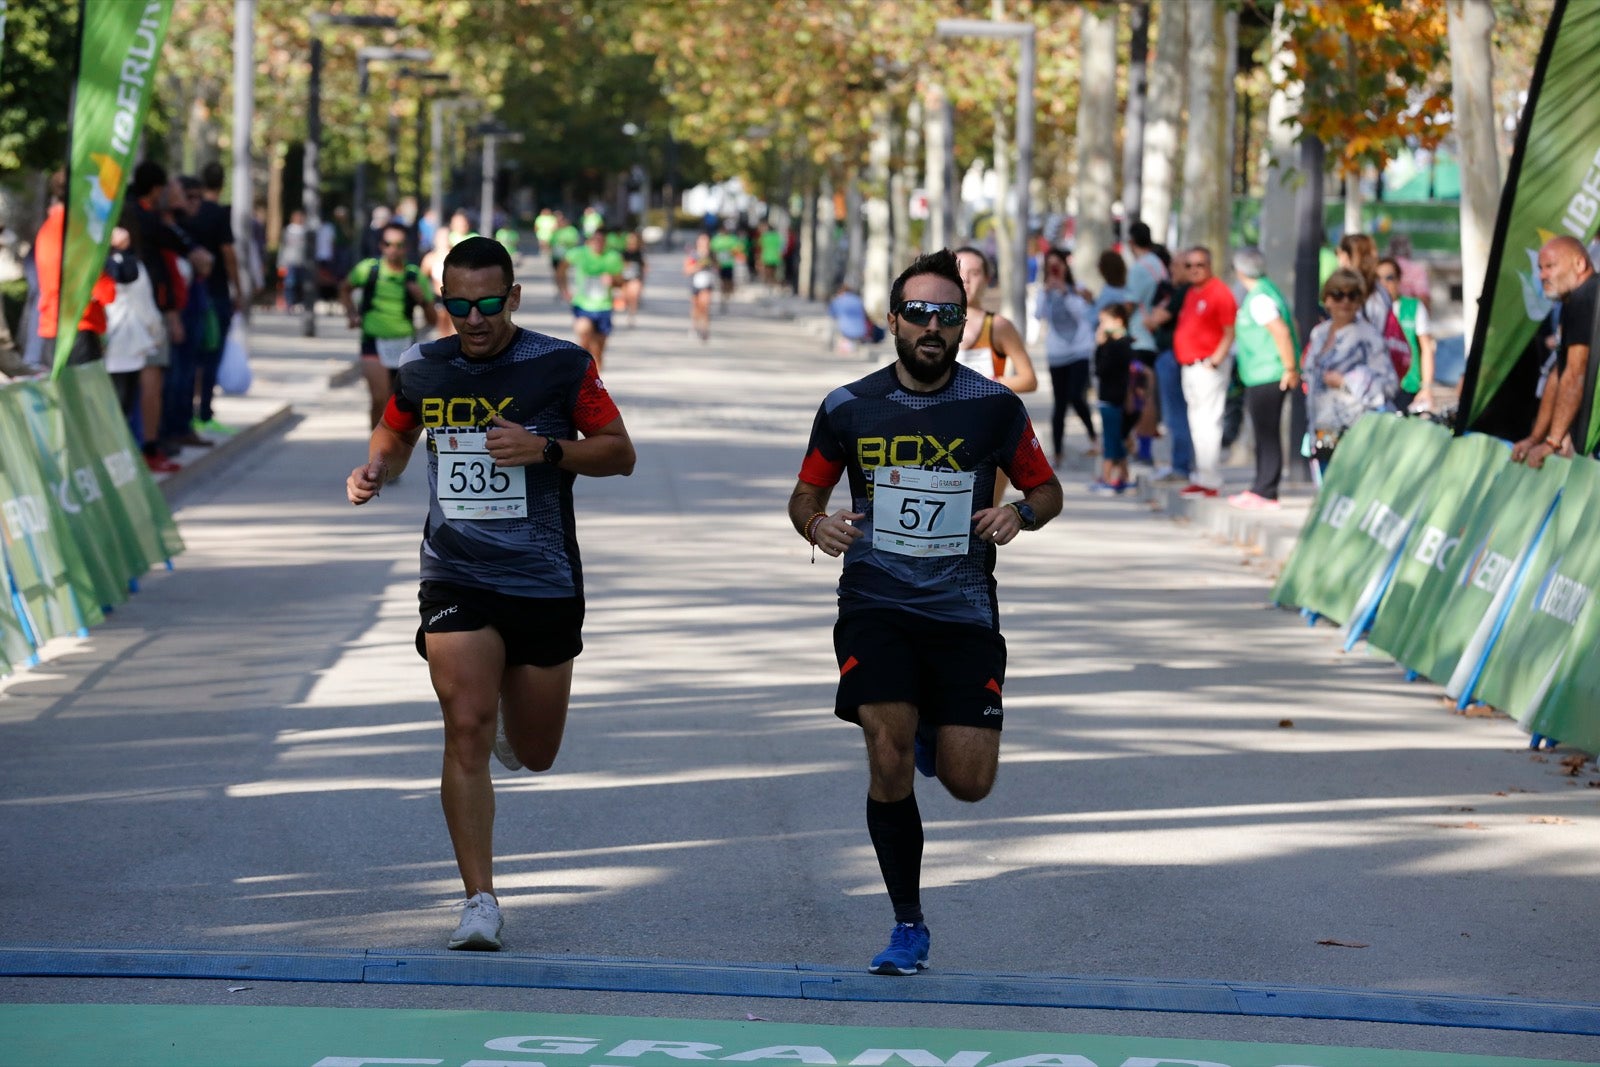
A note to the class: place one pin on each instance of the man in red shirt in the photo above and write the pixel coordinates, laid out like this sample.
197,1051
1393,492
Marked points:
1202,344
47,257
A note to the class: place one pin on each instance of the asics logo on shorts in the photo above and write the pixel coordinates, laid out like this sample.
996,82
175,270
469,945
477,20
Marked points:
451,610
993,711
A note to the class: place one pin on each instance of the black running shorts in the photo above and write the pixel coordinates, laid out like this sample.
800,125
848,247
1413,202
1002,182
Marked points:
952,672
537,631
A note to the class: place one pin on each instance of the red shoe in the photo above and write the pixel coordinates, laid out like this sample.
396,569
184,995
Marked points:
1198,491
159,464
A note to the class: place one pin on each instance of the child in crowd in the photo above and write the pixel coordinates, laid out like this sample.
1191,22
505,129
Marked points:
1113,365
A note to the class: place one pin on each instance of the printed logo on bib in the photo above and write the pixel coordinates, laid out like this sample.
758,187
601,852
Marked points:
470,486
921,513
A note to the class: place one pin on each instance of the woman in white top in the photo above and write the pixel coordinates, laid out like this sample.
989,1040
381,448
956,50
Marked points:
990,343
1069,327
135,330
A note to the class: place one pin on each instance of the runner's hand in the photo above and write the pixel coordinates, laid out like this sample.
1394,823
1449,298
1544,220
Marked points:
998,526
511,445
364,482
835,533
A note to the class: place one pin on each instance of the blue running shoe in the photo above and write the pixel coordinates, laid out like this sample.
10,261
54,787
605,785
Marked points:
907,952
925,750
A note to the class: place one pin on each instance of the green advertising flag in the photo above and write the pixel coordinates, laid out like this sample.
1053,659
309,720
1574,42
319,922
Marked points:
42,553
1569,710
1371,493
144,523
1553,188
1498,534
97,569
121,42
1341,482
1421,582
1538,646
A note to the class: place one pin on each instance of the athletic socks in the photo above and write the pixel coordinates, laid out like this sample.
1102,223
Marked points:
896,831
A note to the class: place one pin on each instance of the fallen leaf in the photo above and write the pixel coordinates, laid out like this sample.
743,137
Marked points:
1343,944
1463,809
1551,820
1594,785
1575,764
1284,724
1478,711
1539,759
1460,826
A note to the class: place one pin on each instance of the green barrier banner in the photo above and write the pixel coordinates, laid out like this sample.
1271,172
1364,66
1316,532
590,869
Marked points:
14,644
101,575
120,45
1553,188
144,522
1371,494
1538,644
1421,582
42,554
1569,711
1493,545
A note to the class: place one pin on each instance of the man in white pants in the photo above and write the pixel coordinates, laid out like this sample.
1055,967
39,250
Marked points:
1203,343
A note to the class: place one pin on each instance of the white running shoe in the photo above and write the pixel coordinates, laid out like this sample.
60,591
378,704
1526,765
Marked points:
502,744
479,929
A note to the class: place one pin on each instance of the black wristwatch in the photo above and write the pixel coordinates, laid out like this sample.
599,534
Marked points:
1025,512
553,452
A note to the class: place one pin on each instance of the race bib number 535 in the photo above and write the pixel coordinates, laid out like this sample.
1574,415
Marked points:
921,513
470,486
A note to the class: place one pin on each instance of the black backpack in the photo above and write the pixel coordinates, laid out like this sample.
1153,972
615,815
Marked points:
370,289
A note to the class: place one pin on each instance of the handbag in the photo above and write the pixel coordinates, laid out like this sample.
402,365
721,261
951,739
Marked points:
233,373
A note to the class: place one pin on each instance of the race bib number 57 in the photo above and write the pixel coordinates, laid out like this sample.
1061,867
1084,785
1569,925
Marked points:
470,486
921,513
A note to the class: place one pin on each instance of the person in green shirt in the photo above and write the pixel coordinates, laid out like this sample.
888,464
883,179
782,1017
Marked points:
509,239
1416,390
770,242
592,221
1269,367
563,239
595,274
728,249
390,291
543,227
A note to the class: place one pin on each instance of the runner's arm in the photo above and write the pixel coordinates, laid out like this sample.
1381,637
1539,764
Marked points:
831,533
1020,376
388,452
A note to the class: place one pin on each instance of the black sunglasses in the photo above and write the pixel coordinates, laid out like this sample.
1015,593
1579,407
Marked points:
1343,294
460,307
920,312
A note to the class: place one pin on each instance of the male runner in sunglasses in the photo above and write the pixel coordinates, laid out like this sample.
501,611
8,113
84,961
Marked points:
390,290
921,659
511,418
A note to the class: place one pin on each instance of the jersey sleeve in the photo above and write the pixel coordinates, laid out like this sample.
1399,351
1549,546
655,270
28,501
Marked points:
402,414
825,459
1026,464
593,409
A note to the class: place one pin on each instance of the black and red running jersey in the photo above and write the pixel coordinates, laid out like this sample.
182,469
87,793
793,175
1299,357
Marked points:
972,425
550,387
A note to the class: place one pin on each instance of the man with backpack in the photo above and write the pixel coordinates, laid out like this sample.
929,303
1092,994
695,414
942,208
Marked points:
391,290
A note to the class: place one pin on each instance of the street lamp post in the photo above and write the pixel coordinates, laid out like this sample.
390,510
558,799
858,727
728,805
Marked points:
364,57
1022,32
436,150
416,173
493,133
310,173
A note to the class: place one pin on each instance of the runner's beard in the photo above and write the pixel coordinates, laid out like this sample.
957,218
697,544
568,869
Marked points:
921,364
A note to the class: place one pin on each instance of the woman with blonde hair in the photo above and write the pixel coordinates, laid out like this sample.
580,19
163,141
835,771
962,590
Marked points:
1346,366
1358,252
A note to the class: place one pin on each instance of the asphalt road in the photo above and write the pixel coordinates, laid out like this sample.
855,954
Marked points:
1193,785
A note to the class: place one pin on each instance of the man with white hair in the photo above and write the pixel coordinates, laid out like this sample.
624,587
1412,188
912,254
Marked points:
1566,408
1269,366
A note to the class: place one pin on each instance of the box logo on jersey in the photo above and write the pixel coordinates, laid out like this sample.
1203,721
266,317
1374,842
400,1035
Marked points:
923,450
461,410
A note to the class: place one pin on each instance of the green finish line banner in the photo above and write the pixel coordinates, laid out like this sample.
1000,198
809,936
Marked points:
70,1035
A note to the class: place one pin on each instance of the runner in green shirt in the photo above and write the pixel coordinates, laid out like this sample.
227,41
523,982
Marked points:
595,273
543,227
563,240
728,249
771,242
390,291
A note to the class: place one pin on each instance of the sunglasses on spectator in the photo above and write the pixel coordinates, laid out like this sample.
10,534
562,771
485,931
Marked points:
490,306
921,312
1343,294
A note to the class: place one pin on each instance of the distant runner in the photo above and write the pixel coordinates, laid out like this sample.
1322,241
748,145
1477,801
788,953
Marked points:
391,289
595,274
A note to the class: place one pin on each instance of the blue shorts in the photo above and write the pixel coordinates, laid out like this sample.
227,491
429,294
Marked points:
1111,432
601,320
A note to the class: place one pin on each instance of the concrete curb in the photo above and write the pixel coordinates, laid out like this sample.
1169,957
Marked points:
205,463
1274,540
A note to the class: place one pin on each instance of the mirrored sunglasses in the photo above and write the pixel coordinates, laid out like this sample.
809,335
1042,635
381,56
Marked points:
921,312
490,306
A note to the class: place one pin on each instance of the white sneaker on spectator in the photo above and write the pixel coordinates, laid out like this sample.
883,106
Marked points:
479,929
502,744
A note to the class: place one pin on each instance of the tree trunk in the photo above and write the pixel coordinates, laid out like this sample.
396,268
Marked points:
905,182
940,169
1097,116
875,277
806,284
1278,203
1165,109
1227,19
1472,80
1203,181
1133,111
824,267
854,228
